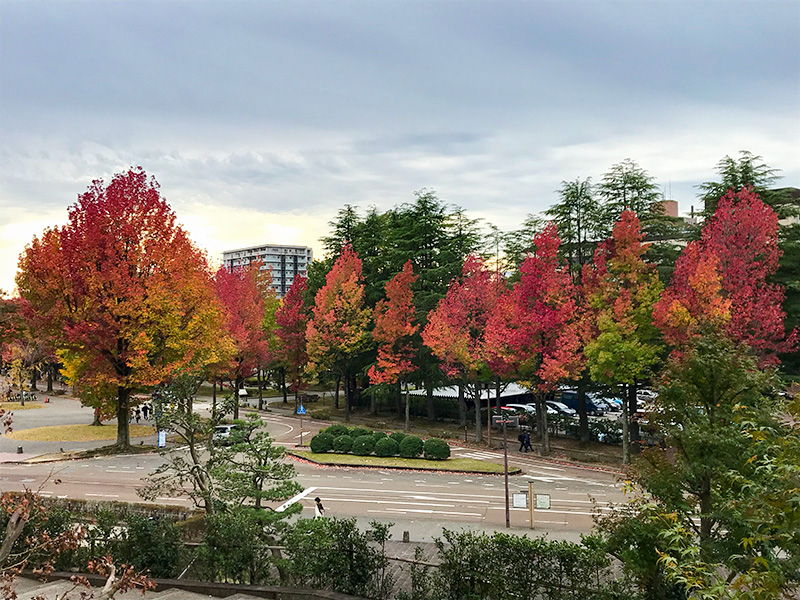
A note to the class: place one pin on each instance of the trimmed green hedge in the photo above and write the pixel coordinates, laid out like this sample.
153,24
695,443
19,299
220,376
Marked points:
363,445
321,443
411,447
336,430
436,449
386,446
343,444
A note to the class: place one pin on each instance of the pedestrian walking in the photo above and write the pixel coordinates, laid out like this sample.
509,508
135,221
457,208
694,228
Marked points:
521,440
138,415
526,442
145,410
319,510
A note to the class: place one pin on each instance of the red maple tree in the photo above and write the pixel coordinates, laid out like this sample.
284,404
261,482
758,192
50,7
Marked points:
722,280
533,333
394,327
456,328
242,291
291,322
124,290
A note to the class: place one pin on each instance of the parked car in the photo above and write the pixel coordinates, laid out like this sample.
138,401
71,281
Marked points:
222,434
525,408
560,408
610,404
570,398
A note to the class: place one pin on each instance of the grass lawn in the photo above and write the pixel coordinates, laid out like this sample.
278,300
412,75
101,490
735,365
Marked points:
77,433
18,406
469,465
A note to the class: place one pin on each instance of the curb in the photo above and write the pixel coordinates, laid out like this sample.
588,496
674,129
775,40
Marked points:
303,459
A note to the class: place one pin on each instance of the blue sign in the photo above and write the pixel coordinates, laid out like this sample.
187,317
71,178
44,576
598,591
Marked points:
301,410
162,439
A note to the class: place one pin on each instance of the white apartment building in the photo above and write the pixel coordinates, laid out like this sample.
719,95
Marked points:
284,261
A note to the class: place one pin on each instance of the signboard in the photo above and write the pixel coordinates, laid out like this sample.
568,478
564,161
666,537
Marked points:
301,410
543,501
519,500
162,439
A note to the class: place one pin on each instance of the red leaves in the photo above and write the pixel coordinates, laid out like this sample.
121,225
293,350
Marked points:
241,292
455,330
533,330
122,287
722,280
291,321
394,326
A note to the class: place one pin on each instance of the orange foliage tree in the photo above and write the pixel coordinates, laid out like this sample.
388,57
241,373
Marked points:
124,290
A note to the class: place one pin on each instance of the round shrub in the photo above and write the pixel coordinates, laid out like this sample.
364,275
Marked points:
436,449
321,443
411,447
357,432
343,444
386,446
398,437
336,430
378,435
363,445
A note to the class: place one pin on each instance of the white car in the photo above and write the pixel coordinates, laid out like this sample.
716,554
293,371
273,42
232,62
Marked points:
531,410
560,408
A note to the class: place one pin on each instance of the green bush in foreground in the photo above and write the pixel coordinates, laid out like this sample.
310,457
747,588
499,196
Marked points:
386,446
398,437
363,445
378,435
411,447
343,444
321,443
436,449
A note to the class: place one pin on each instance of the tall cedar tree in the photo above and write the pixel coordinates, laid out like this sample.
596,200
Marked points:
533,331
291,323
725,278
242,292
394,327
456,329
337,331
621,289
125,290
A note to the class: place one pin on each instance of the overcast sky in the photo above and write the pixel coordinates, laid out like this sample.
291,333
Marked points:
261,119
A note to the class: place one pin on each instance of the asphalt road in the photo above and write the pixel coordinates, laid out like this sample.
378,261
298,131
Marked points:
419,502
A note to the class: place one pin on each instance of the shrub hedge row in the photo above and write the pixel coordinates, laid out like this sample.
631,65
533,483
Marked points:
362,442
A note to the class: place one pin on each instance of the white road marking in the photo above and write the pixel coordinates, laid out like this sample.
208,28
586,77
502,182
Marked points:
429,512
333,499
297,498
103,495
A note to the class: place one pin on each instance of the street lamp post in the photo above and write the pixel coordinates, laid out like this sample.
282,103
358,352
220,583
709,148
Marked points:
505,464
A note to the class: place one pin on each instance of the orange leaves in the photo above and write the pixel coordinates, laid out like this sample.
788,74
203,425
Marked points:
394,326
122,287
337,330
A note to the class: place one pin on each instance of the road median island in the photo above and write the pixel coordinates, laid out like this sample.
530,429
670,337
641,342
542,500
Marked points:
454,465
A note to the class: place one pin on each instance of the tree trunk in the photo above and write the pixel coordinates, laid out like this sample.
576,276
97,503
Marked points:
408,412
462,405
542,408
373,405
237,387
633,408
706,521
347,393
336,393
214,399
49,378
34,379
260,389
478,421
583,417
123,412
96,422
429,400
283,384
398,397
626,440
